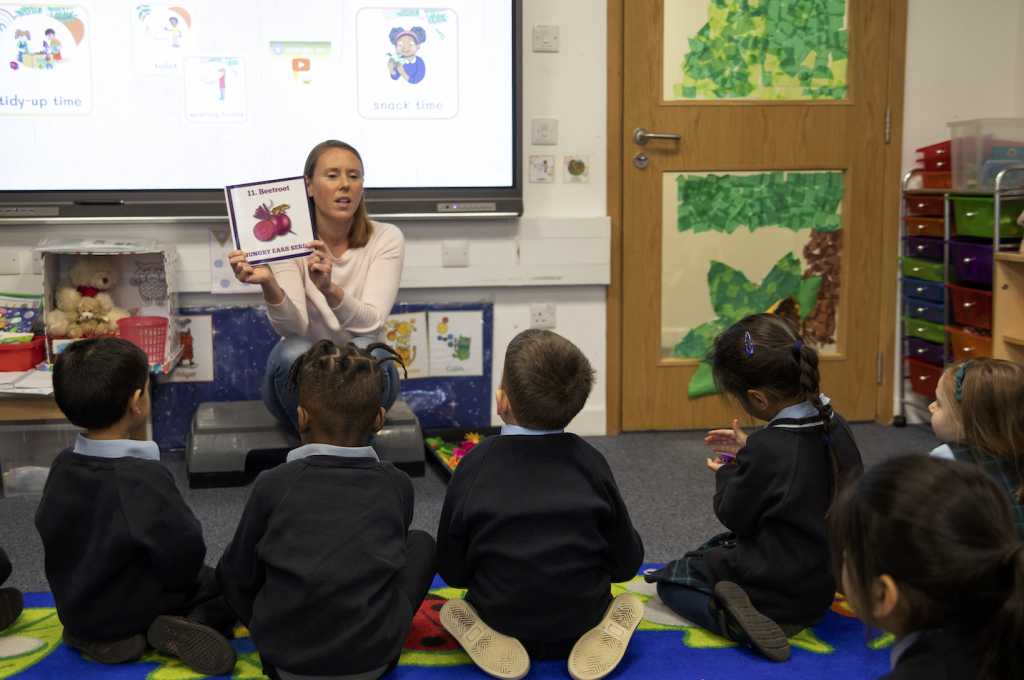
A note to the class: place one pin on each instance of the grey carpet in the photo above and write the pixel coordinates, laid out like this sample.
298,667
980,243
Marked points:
662,476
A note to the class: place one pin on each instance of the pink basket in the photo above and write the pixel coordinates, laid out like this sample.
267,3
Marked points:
148,332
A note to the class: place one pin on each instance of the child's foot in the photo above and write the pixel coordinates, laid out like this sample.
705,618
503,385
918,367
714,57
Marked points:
497,655
11,604
204,650
125,650
600,650
741,622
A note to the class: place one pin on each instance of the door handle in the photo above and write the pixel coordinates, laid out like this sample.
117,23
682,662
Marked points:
640,136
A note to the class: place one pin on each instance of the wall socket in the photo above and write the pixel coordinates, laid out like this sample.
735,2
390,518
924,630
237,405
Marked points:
542,315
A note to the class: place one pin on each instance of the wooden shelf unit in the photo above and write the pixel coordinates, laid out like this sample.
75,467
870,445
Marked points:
1008,307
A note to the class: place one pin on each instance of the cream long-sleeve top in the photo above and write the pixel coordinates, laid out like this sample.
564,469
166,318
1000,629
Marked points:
369,276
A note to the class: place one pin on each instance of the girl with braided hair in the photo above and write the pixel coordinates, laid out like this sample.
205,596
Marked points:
323,568
927,551
768,577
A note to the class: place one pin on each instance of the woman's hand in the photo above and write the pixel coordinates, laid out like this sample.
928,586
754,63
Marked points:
245,272
260,275
727,441
320,263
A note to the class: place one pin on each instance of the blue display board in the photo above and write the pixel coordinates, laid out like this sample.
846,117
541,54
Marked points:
243,339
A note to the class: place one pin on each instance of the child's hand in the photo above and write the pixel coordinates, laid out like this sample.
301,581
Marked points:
729,441
713,465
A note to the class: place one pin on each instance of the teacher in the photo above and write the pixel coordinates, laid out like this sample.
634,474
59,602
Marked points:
343,291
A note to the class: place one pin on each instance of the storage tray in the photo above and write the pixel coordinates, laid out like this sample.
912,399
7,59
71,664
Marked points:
924,377
975,216
926,330
919,246
925,290
971,306
919,268
972,260
926,205
924,309
29,448
934,227
968,345
923,350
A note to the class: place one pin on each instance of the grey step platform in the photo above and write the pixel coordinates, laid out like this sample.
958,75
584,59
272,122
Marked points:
224,434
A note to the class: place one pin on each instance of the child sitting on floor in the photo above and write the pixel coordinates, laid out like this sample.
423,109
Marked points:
323,568
123,552
534,526
768,577
11,601
927,552
979,410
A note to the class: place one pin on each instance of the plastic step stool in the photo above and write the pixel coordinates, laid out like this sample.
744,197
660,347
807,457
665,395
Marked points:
224,434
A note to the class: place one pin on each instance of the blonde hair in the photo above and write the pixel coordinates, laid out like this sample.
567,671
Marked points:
362,229
990,415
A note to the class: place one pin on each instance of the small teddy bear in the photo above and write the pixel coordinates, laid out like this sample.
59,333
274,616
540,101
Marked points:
87,319
90,276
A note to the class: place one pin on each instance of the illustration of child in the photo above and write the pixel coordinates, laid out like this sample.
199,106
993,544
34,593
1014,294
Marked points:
21,39
223,77
407,43
175,32
54,46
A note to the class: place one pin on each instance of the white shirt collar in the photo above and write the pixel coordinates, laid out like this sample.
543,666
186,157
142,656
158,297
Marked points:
515,429
116,448
328,450
798,411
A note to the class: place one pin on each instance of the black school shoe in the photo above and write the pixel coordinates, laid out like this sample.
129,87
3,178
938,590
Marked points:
204,650
741,623
125,650
11,604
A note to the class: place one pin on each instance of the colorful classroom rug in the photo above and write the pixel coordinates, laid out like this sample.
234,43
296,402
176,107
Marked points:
664,646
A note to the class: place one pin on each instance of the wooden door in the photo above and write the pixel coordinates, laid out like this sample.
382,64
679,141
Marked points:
732,153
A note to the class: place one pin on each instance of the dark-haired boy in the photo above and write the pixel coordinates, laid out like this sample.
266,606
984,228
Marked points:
323,568
534,526
123,552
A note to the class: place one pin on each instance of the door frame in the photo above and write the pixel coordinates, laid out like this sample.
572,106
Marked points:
891,192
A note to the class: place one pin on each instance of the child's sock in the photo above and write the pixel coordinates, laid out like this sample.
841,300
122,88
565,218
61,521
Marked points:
497,655
600,650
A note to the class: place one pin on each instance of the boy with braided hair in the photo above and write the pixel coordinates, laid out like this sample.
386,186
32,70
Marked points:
323,568
767,578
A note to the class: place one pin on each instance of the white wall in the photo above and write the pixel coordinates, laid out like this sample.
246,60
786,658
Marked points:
569,85
965,60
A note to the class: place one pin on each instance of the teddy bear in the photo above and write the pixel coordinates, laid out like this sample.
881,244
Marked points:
91,276
87,319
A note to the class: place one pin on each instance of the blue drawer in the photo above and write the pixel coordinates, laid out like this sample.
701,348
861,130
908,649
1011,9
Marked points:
928,310
923,290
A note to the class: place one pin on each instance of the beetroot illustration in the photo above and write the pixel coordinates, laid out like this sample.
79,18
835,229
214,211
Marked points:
273,222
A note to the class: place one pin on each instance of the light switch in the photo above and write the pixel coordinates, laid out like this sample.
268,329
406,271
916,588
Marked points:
455,253
544,131
545,38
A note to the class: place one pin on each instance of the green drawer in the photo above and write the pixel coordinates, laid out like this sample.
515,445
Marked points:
976,215
926,330
919,268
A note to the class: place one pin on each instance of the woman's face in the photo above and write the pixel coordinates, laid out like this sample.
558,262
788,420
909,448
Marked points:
942,422
336,186
406,46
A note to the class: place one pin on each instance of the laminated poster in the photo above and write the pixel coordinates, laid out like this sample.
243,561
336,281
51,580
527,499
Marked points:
271,220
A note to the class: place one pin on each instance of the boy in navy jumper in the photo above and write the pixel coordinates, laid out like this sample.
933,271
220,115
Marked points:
534,526
323,568
11,601
123,552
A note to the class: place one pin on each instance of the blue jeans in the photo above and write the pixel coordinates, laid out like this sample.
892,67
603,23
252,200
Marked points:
689,603
283,404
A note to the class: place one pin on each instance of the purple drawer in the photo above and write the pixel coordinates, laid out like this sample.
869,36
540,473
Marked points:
972,260
924,309
922,246
923,350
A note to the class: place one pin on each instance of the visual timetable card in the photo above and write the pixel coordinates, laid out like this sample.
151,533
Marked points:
407,333
299,64
271,220
49,71
162,36
215,90
196,336
456,342
407,63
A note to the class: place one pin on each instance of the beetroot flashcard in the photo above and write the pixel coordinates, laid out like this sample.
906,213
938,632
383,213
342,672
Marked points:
271,220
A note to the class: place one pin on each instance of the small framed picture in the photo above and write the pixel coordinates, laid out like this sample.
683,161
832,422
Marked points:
542,169
270,221
577,169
